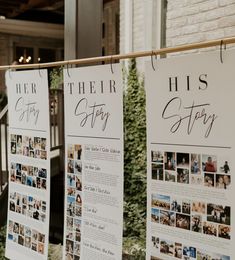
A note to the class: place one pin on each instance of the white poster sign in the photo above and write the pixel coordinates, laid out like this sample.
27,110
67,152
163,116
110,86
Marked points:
29,165
94,163
190,157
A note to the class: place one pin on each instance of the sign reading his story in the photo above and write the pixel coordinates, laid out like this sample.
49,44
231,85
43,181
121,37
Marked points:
190,157
29,165
94,163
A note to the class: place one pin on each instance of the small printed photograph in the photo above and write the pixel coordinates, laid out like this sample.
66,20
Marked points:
25,140
78,151
69,256
167,247
219,179
42,173
190,252
69,223
41,237
70,151
78,199
182,160
196,180
178,251
43,155
37,143
16,228
69,246
196,223
41,248
43,144
157,156
26,151
157,172
77,167
37,154
225,167
183,176
176,205
186,206
218,214
13,147
34,236
209,228
77,249
71,191
224,231
10,226
34,247
78,211
71,180
31,154
203,255
199,207
28,231
183,221
70,206
78,236
13,138
21,240
161,201
31,143
12,205
155,244
78,183
167,218
227,181
69,235
195,163
12,176
155,215
170,161
75,257
28,242
209,163
70,166
209,180
19,144
170,176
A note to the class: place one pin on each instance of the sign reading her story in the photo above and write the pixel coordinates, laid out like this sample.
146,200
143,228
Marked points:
94,163
190,164
29,164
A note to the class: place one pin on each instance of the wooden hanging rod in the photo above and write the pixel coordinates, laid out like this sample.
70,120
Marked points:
111,58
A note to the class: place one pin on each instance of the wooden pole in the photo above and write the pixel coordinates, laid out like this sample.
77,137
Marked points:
111,58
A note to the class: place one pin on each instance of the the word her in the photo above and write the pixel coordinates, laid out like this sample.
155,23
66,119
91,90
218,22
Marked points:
26,88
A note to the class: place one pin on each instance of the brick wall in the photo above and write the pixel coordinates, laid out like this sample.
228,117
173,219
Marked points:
192,21
187,21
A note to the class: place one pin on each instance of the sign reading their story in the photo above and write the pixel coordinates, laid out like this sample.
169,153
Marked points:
94,163
29,165
190,157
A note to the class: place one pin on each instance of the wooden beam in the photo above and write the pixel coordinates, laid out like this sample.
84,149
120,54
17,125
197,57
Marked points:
25,7
36,29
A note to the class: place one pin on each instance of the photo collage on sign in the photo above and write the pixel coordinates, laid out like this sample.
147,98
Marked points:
28,175
74,201
34,147
179,251
196,216
190,168
28,206
26,236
